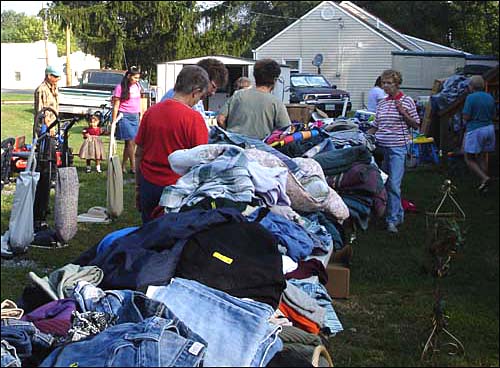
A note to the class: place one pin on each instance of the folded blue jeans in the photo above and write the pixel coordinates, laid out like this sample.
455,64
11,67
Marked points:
30,343
9,355
128,306
318,292
237,330
154,342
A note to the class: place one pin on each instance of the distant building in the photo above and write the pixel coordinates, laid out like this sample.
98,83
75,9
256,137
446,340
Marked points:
357,46
23,64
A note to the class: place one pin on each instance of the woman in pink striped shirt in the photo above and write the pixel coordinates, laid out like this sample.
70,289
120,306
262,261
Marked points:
395,115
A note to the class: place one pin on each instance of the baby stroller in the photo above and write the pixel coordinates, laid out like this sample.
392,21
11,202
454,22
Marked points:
51,153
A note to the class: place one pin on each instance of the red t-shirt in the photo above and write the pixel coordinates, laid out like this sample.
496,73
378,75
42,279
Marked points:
167,127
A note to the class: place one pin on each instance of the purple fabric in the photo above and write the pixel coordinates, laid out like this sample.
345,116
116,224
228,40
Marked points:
361,177
306,269
53,317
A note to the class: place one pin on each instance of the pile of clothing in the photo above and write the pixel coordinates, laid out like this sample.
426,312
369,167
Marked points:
232,272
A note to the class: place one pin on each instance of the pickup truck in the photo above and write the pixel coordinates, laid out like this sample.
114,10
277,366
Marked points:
314,89
95,90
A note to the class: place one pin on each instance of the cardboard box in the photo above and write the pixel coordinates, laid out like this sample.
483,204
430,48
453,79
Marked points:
338,280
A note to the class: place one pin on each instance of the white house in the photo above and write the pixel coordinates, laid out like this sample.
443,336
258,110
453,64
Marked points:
356,47
23,64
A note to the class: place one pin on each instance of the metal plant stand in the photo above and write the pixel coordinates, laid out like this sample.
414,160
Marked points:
446,240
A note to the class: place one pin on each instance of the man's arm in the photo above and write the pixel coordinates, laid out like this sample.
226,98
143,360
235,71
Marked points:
223,113
282,118
221,121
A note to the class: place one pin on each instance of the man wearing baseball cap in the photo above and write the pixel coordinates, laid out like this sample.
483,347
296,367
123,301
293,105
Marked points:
46,95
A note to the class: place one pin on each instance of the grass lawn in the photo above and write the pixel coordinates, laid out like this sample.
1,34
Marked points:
16,97
388,317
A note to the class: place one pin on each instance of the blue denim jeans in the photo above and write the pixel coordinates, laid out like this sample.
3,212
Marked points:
154,342
27,340
394,166
317,291
128,306
9,355
237,330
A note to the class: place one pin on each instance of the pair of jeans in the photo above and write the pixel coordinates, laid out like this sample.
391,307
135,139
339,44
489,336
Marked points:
237,330
9,356
127,306
319,292
394,166
154,342
150,198
30,344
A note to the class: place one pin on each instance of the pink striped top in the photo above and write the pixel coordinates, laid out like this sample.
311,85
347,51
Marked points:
392,129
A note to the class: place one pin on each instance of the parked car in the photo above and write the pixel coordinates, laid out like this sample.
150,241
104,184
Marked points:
95,90
314,89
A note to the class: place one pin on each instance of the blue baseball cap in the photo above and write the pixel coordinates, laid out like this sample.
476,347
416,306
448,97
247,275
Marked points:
52,70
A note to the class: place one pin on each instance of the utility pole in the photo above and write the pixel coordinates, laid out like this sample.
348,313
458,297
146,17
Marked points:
45,35
68,52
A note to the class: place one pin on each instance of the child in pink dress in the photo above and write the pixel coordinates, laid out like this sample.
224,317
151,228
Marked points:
92,147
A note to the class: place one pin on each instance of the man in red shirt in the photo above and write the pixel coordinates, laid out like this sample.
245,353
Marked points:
166,127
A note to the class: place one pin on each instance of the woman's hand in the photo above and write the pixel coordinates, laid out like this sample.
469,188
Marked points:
401,108
406,116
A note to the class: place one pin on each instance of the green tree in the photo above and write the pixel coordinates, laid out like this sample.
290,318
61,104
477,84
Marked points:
20,28
475,26
471,26
262,19
144,33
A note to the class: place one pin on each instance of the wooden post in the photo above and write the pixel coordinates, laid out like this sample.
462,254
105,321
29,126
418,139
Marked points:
45,35
68,52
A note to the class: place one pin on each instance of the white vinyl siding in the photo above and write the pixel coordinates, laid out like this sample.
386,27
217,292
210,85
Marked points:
346,65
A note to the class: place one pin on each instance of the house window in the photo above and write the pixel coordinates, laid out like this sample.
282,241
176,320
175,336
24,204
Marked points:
17,76
294,64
